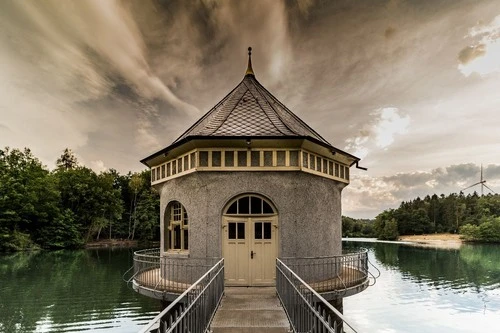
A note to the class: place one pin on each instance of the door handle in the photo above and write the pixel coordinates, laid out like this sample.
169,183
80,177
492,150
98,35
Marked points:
251,254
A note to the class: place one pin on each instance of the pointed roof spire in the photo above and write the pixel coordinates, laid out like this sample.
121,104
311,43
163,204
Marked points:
249,67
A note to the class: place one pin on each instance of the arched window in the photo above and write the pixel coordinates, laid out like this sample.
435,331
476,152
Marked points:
177,228
250,205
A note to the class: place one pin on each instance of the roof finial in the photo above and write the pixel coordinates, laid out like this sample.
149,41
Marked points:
249,67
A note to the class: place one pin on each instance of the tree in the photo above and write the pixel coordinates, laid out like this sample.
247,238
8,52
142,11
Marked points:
347,226
381,220
67,160
28,199
136,183
390,230
487,231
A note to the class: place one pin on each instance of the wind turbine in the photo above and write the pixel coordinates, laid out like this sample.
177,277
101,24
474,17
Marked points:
481,182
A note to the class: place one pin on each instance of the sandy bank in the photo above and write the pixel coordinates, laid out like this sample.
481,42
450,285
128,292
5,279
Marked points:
451,241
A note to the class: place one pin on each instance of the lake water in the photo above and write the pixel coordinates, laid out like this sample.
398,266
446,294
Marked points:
70,291
428,290
420,290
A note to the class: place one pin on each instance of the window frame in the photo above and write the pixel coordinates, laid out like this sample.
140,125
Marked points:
176,216
263,201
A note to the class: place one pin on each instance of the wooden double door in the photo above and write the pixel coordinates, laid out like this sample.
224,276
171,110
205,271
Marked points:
250,248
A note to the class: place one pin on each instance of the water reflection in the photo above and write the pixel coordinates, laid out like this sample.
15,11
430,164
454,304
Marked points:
429,290
70,291
475,266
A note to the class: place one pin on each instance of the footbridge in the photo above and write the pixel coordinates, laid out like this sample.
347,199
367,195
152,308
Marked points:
301,301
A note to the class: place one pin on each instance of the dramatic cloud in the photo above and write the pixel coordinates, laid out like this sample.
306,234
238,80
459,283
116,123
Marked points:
66,62
470,53
484,57
380,132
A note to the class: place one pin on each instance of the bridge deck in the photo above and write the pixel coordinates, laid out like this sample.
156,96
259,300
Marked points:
250,310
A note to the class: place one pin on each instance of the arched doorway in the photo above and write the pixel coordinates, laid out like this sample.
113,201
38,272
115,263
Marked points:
250,241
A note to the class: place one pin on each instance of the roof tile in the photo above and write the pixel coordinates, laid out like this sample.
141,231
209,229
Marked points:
250,110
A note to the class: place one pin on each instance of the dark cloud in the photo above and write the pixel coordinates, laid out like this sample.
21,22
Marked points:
453,176
409,180
492,172
469,53
389,32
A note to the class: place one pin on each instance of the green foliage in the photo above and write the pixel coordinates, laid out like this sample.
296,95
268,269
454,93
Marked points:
488,231
473,215
28,199
67,160
72,205
357,227
390,230
17,241
61,232
469,232
386,226
147,214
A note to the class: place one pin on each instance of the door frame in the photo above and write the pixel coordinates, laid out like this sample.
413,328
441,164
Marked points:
249,220
249,262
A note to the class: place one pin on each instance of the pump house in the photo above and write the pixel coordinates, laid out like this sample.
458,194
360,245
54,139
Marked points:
248,182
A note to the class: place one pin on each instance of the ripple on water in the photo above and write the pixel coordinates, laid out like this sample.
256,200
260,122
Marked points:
70,291
429,291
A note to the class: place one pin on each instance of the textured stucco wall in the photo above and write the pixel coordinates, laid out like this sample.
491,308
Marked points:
309,209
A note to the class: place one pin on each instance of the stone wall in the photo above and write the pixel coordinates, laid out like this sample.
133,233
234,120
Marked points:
309,209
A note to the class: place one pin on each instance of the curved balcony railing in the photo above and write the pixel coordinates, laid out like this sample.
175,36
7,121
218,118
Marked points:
165,278
341,275
306,309
333,276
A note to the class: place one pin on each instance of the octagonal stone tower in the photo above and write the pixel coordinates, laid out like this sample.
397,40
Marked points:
250,181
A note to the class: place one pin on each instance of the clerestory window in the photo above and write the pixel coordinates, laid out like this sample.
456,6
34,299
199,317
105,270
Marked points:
177,231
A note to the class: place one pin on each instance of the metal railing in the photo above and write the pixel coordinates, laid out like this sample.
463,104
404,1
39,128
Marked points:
195,308
333,273
305,308
160,274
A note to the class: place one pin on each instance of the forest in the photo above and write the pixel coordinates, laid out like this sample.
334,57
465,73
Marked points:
475,217
71,205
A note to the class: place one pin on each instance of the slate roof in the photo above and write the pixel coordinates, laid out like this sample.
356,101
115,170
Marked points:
250,110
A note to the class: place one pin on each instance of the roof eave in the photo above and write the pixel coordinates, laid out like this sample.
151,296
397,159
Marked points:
185,140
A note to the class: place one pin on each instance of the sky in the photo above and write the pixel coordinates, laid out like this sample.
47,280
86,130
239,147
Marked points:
412,87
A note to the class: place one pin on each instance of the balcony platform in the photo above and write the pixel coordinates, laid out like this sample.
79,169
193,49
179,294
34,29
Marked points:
151,284
152,279
340,286
333,277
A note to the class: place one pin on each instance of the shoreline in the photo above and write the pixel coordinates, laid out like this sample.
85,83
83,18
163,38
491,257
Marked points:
111,243
449,241
443,241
